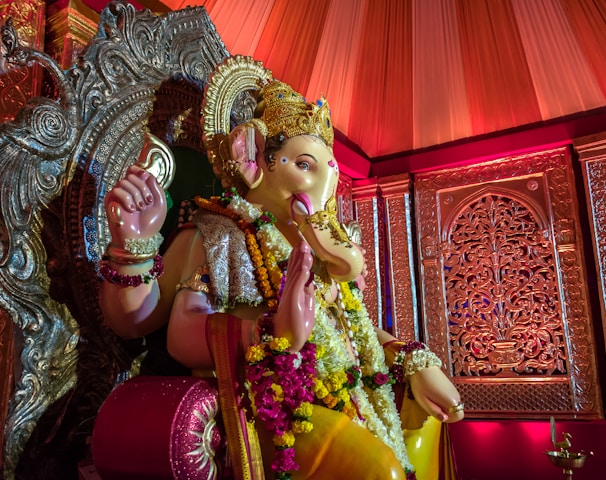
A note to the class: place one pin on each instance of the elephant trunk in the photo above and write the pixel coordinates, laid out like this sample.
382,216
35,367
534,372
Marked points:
344,259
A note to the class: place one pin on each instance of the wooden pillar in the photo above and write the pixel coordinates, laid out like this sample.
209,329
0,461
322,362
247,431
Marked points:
368,212
399,256
70,25
592,156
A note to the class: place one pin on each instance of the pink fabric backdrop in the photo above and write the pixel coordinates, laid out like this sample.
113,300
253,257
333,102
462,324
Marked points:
402,75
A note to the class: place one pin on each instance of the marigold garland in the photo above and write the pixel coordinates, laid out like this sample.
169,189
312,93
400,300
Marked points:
356,390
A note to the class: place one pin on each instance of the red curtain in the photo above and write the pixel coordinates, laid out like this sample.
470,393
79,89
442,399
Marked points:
401,75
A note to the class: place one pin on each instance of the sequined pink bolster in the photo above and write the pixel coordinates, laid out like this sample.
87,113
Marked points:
161,428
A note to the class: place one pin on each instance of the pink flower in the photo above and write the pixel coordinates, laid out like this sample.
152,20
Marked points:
381,378
284,460
292,375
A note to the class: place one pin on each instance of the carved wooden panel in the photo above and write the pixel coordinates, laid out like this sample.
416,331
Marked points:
504,288
369,214
592,155
344,200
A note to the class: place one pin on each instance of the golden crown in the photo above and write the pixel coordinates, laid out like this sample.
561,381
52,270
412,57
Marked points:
283,110
286,111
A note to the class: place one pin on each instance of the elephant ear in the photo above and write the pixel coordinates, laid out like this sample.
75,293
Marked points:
247,145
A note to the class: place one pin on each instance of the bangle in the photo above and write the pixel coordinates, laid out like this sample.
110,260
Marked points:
115,277
418,360
122,257
411,358
144,246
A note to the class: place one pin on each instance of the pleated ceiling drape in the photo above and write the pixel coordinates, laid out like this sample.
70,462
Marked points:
402,75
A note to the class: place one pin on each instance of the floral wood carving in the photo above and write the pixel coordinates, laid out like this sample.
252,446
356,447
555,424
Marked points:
502,293
592,156
504,290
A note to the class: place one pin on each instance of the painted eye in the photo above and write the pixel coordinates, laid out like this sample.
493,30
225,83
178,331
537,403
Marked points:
284,160
303,165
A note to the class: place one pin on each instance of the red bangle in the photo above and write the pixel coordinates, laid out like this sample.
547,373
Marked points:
113,276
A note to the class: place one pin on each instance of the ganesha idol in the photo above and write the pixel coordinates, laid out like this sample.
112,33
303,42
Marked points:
264,293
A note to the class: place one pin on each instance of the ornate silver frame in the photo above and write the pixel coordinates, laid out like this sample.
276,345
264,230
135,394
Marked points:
58,157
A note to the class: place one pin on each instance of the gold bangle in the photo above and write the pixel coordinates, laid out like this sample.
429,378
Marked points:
123,257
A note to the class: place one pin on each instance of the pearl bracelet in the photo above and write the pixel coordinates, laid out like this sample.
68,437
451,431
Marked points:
143,246
418,360
410,358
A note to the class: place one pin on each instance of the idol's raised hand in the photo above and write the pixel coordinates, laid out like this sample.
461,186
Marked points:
135,207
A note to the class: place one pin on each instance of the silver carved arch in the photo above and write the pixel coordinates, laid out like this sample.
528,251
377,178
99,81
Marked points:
57,159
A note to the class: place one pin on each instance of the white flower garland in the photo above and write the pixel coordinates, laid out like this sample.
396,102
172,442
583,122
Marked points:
376,407
380,412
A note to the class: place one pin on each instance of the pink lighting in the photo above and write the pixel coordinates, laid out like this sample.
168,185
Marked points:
502,450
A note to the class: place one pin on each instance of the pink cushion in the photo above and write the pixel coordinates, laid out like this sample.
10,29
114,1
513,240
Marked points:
159,428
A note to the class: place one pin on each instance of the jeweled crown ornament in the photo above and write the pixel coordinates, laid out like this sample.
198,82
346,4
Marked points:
286,111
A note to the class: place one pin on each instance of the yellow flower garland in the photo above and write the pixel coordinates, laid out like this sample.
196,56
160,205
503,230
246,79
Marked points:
368,403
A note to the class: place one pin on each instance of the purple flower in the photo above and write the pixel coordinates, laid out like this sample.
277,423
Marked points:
398,373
